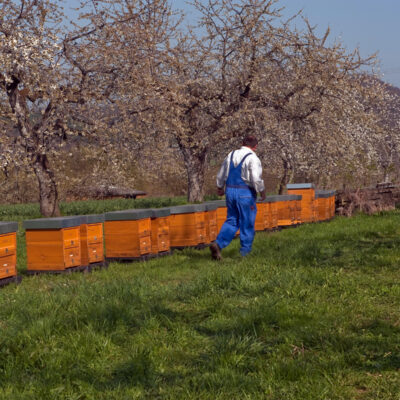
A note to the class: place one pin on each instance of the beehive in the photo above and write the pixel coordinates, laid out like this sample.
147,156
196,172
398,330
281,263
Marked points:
53,244
322,204
211,221
8,251
262,216
286,210
222,212
272,211
188,226
307,191
298,199
267,215
127,234
92,246
160,243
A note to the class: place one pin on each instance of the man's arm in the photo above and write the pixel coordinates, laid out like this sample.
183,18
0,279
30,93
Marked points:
222,176
256,176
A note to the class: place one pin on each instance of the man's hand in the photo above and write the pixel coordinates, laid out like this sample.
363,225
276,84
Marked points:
220,191
262,195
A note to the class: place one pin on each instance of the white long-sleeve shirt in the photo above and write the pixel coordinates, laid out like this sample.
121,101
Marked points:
251,169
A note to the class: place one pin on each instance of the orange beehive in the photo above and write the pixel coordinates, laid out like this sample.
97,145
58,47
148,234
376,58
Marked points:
188,226
298,208
53,244
8,252
273,211
322,204
286,210
91,231
211,221
222,213
267,215
128,234
262,216
307,191
160,243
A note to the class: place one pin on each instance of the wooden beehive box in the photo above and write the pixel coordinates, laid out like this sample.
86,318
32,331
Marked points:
273,211
286,210
322,204
160,242
127,234
188,226
8,251
92,238
307,191
267,215
53,244
297,202
261,216
211,221
222,212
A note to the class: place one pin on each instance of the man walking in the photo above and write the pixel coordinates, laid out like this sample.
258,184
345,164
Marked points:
241,174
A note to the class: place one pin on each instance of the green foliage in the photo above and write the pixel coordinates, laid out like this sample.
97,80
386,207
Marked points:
311,313
20,212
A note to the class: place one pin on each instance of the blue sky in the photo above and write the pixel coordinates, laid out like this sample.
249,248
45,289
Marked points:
371,25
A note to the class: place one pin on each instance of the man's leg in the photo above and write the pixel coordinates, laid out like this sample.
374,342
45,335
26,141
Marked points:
247,211
231,225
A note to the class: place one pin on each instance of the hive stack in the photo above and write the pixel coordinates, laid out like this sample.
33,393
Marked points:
188,226
160,242
92,247
8,253
273,211
128,234
222,213
262,219
211,221
322,205
53,244
307,191
286,210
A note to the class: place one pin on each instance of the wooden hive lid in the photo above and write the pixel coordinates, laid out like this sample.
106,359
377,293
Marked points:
128,215
272,199
8,227
52,223
298,186
92,218
288,197
211,206
322,194
160,212
218,203
188,209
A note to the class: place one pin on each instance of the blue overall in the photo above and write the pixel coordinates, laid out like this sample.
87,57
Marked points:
242,210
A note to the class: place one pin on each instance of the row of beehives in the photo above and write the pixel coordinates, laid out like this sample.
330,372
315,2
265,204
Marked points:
77,243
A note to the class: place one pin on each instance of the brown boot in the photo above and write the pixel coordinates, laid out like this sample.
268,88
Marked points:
215,251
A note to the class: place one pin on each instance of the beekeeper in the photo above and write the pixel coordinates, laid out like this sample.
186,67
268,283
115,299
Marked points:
240,179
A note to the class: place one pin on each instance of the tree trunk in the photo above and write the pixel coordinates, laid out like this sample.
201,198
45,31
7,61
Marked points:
48,193
195,164
288,173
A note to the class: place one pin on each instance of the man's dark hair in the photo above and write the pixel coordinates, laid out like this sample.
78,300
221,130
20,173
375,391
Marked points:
250,141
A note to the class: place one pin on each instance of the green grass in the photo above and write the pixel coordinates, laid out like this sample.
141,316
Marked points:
312,313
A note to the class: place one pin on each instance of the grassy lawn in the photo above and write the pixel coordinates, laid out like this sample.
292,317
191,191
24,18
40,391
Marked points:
312,313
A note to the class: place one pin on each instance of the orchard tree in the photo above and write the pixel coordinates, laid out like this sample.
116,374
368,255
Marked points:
209,76
30,75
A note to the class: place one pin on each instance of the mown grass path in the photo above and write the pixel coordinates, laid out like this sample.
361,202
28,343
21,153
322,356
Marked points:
312,313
